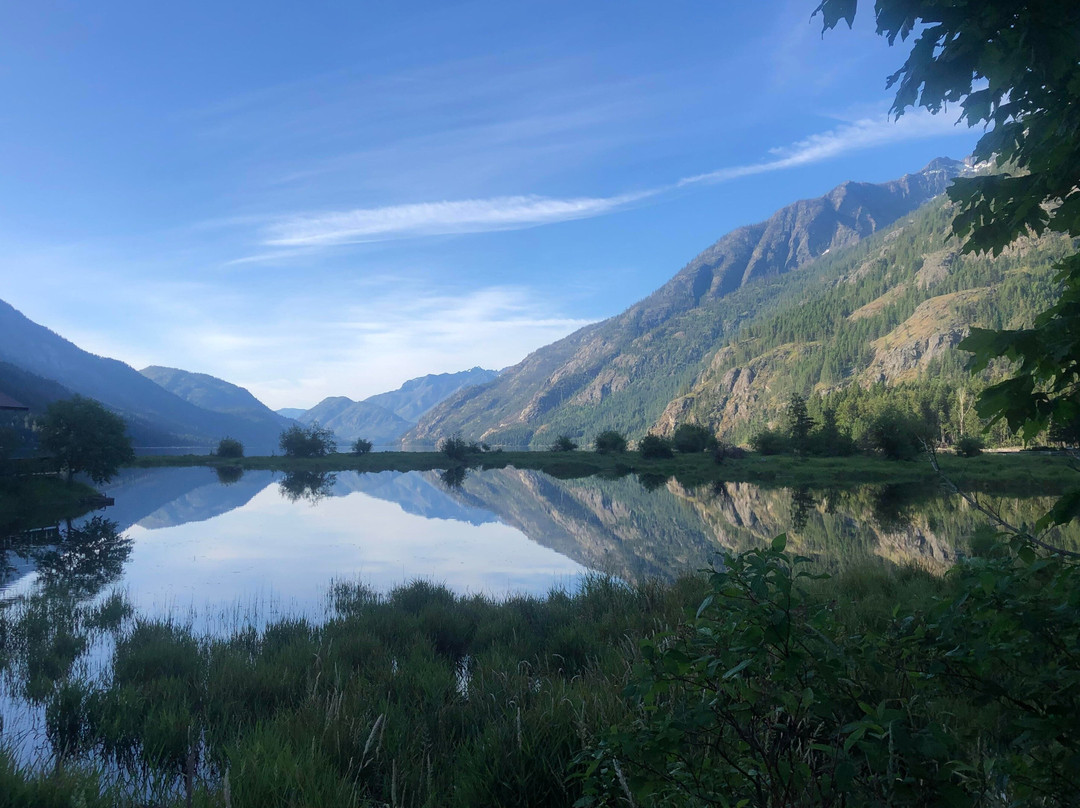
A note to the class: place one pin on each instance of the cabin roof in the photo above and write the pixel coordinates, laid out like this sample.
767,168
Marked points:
8,403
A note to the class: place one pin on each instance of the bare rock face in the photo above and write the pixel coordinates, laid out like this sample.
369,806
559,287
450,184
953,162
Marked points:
936,326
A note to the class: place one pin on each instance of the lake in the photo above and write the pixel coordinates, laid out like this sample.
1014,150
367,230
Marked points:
222,549
200,538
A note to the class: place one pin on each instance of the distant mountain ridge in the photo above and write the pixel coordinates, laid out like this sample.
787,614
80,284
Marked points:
622,372
216,395
154,414
417,396
350,420
383,418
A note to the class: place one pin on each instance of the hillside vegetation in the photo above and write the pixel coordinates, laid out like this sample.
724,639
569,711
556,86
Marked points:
621,373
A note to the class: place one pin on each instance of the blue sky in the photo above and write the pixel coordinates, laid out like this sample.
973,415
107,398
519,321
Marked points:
330,198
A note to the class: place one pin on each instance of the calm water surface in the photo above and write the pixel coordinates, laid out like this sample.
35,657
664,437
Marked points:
221,550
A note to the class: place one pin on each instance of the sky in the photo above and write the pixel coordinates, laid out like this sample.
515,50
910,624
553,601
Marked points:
330,198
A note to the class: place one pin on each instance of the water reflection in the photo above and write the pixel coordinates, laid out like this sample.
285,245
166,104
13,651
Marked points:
184,535
227,475
308,486
85,559
454,477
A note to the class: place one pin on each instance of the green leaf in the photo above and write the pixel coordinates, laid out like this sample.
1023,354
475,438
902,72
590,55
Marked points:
779,544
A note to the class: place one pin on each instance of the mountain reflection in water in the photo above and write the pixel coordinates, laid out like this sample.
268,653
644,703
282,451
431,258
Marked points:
187,534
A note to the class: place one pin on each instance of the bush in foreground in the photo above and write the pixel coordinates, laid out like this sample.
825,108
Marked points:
361,446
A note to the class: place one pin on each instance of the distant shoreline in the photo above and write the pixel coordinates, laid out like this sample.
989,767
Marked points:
1013,472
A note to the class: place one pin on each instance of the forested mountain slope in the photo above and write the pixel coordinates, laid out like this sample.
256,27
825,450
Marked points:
878,321
216,395
622,372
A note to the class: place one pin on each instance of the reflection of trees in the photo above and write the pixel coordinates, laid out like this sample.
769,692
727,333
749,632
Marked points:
227,475
802,503
893,504
85,559
310,486
651,481
454,477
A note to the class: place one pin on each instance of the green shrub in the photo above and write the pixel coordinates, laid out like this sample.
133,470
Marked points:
230,447
310,441
361,446
969,446
563,443
610,442
689,438
896,435
653,447
769,442
457,448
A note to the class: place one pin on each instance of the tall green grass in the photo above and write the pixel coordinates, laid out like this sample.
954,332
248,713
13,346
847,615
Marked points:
419,697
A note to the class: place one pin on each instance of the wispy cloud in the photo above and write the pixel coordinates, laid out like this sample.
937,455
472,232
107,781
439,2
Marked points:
317,230
439,218
860,134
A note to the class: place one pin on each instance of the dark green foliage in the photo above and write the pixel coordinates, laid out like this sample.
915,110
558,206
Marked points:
799,423
361,446
85,437
896,435
769,442
458,449
10,441
309,441
610,441
652,447
775,696
969,446
227,475
689,438
230,448
311,485
563,443
1013,69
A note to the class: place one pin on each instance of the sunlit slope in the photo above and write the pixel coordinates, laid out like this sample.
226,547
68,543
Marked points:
890,311
622,373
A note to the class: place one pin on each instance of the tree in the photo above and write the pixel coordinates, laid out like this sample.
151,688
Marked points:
1014,68
610,442
362,446
653,447
690,438
9,444
799,423
458,449
84,437
230,448
563,443
310,441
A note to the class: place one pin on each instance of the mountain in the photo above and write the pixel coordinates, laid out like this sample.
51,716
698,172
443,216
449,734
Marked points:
385,417
30,389
291,412
881,320
217,395
350,420
153,414
622,373
417,396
